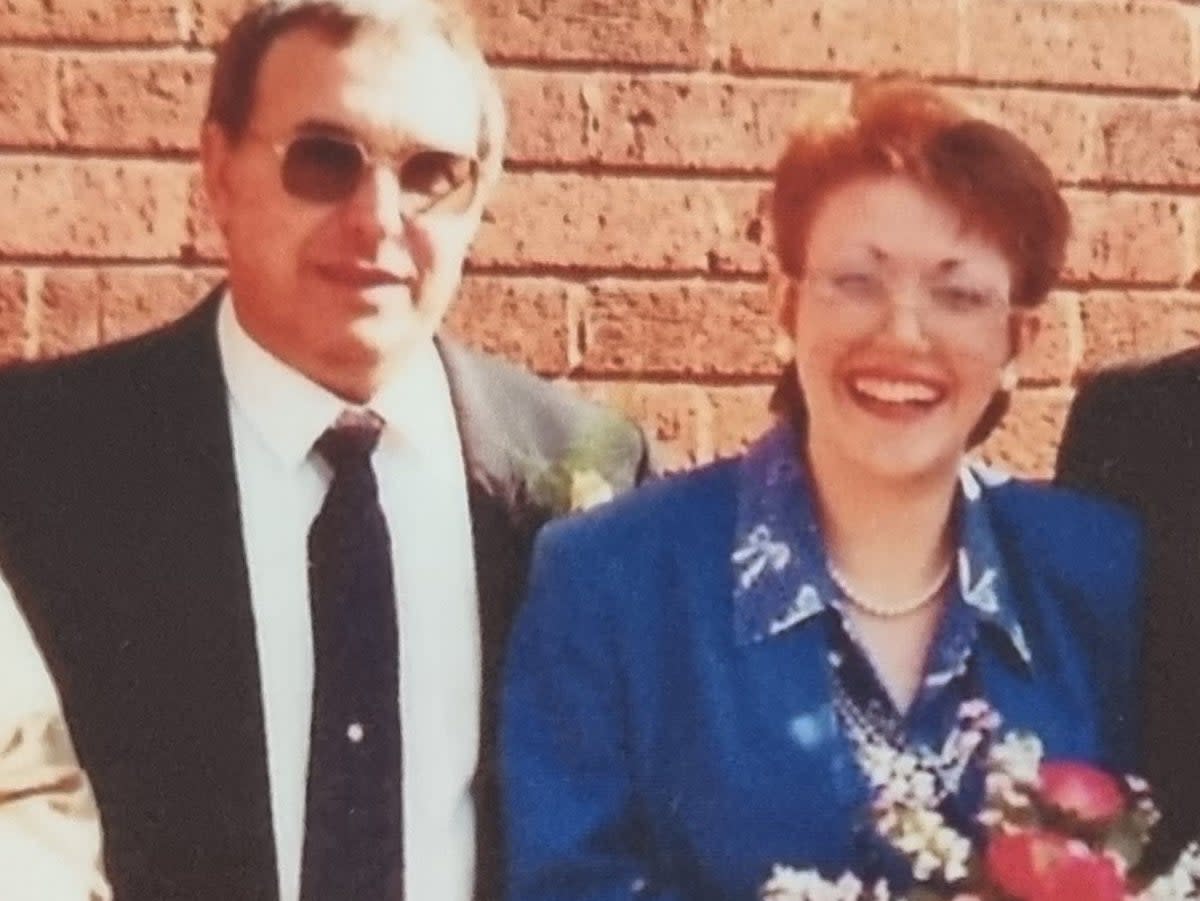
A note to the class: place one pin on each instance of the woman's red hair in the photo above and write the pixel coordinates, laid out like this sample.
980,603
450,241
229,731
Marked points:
904,127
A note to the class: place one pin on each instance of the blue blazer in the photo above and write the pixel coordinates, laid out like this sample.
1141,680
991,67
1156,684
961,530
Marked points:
649,752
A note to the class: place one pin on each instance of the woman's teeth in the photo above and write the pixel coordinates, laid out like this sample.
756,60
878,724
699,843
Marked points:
896,391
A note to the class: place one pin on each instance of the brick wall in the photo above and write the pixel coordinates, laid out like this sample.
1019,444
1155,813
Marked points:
624,250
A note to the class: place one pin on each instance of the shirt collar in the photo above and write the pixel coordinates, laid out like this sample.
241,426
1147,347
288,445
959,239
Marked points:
289,411
781,572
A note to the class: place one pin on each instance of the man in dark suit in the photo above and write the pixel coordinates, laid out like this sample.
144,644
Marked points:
1133,434
271,551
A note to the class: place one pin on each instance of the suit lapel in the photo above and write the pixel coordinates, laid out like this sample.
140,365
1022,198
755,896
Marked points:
502,527
206,615
502,519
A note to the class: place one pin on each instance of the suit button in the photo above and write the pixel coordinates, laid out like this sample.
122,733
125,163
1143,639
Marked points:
354,732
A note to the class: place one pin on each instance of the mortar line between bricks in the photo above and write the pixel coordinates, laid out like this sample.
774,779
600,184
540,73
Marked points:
68,45
576,336
706,425
782,78
1189,12
1076,340
607,67
547,273
641,278
832,76
707,378
1084,287
35,279
58,152
57,260
1191,240
673,380
582,169
626,273
1042,87
1137,294
162,265
185,20
725,175
965,48
139,53
56,111
157,266
1159,189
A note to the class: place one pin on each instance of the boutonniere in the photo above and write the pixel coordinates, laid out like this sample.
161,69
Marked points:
577,480
589,489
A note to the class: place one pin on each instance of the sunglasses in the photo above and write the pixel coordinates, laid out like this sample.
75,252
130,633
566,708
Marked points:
323,168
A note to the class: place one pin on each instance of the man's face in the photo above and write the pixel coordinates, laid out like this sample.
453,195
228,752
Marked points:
341,289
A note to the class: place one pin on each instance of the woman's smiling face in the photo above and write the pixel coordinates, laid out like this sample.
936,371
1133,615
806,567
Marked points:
902,324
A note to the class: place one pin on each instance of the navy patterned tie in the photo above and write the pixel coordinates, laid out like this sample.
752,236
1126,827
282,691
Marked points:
353,838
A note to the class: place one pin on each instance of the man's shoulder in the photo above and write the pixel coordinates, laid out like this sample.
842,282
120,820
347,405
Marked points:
1147,381
63,412
1080,537
127,364
1063,514
1132,428
543,417
506,379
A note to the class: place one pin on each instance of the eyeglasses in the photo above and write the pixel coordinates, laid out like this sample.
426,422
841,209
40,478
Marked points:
950,306
328,168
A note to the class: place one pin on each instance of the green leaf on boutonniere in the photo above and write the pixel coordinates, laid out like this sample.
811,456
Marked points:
578,480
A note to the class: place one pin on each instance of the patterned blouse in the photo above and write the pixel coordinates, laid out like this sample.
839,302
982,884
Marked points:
783,580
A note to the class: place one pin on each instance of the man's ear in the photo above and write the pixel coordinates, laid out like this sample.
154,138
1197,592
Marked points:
215,155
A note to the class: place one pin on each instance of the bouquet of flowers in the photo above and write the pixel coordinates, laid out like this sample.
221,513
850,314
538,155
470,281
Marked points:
1048,830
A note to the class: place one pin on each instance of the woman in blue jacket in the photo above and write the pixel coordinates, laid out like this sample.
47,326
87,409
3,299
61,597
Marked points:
701,667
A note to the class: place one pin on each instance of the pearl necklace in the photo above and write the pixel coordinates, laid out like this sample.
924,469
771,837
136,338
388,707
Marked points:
890,611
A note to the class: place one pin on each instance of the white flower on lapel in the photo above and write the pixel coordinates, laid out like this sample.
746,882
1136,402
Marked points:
588,489
758,552
590,471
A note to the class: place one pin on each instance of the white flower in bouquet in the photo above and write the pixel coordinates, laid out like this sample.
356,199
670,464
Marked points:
1053,829
787,884
1180,883
936,850
1019,756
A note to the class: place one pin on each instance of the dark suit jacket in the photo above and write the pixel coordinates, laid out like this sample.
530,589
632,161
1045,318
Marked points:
1134,435
120,533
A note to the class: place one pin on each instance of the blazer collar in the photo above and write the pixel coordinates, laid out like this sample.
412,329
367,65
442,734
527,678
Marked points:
492,447
781,572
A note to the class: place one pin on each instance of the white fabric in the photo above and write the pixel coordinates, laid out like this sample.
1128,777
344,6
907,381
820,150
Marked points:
49,827
276,414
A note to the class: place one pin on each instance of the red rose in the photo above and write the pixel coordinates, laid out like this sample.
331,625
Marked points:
1081,875
1016,861
1081,790
1032,865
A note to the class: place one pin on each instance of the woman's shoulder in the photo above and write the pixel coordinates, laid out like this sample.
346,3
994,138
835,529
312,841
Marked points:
1063,514
1091,542
668,507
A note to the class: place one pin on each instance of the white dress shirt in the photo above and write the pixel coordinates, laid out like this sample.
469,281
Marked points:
276,415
